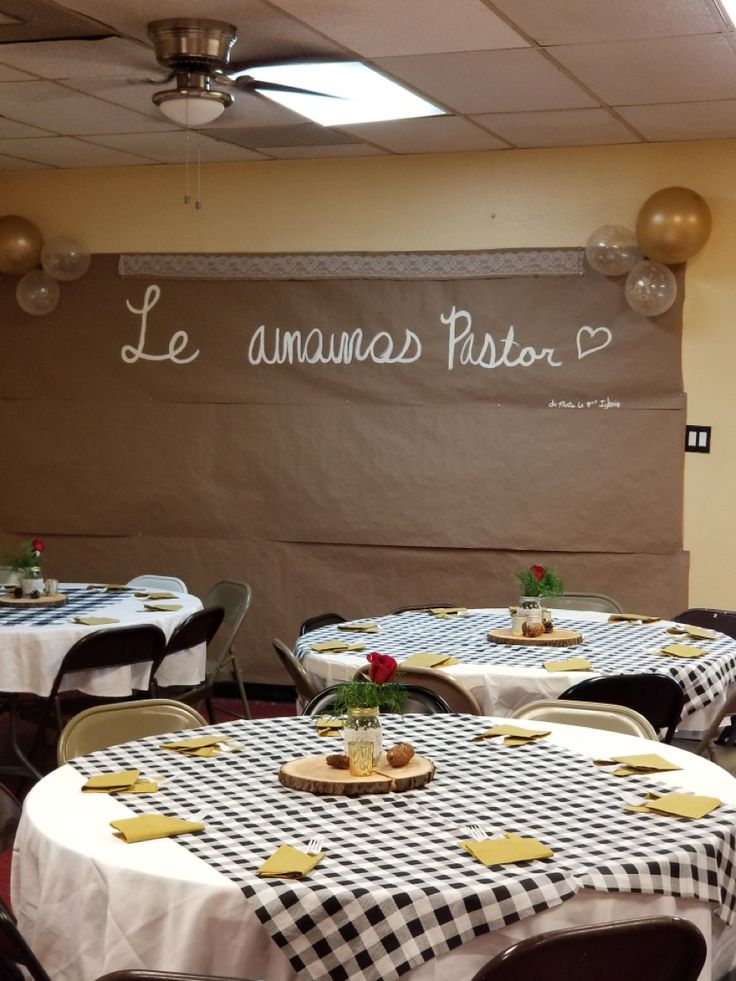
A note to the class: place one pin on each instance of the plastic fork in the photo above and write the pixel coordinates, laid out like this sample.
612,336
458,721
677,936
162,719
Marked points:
476,832
316,845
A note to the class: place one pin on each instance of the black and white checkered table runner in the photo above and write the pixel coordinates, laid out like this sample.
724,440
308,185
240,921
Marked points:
394,888
611,648
80,602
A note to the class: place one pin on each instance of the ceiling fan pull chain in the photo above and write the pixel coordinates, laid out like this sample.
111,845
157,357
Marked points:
187,198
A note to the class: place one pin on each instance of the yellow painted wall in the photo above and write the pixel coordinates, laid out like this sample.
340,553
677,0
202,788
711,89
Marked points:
451,201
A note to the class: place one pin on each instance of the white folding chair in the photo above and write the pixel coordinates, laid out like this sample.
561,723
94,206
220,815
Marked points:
159,582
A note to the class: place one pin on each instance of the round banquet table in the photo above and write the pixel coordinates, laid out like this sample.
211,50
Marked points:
89,904
33,642
505,678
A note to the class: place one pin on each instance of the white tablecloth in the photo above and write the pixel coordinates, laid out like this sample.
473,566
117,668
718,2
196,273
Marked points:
502,686
30,655
89,904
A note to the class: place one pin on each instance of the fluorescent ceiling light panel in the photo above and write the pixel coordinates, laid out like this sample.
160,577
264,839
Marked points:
363,95
728,7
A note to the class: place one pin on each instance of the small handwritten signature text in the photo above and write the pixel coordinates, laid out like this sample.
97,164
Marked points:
606,403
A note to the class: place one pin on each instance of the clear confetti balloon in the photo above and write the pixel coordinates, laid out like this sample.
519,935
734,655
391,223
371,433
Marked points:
65,258
612,250
651,288
38,293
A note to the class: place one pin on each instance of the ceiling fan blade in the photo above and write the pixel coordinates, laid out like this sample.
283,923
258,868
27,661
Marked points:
246,82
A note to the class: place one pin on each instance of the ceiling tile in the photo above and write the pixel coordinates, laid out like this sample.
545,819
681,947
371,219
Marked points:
13,163
677,69
558,127
573,22
172,147
388,27
32,19
10,130
432,134
490,81
109,57
12,74
684,121
62,110
302,134
309,152
64,151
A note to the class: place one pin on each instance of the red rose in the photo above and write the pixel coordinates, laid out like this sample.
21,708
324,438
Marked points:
538,572
383,668
37,545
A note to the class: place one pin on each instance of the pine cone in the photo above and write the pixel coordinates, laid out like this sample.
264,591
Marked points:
533,629
400,754
338,762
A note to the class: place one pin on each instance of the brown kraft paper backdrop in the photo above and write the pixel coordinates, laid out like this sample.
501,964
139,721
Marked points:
532,420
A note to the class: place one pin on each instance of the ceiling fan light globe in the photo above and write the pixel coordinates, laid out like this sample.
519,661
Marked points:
192,109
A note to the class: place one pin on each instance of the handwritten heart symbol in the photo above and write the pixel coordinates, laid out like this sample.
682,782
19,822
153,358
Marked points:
591,332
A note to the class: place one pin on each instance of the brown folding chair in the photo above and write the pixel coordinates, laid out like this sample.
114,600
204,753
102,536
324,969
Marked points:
425,606
305,690
658,697
139,975
199,628
15,952
663,948
10,810
457,696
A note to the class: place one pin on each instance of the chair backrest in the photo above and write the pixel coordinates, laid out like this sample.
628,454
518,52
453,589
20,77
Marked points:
108,725
10,809
321,620
198,628
722,620
234,597
14,949
582,601
426,606
593,715
150,581
663,948
304,687
457,696
658,697
420,701
137,974
113,647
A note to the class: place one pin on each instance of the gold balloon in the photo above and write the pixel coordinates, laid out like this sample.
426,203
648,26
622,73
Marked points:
20,245
673,224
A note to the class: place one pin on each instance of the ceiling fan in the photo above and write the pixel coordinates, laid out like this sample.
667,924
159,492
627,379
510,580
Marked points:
197,53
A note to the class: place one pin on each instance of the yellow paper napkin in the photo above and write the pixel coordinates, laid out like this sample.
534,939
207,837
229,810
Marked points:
329,727
289,863
677,804
94,621
681,650
111,587
156,596
162,607
445,612
105,782
506,850
428,660
335,647
638,764
205,746
571,664
697,633
513,735
360,628
146,827
632,618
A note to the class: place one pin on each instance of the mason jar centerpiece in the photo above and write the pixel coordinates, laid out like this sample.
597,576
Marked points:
361,701
536,583
25,565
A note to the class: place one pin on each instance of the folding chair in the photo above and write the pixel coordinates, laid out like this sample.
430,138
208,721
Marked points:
582,601
234,597
321,620
457,696
420,701
15,952
148,581
199,628
657,697
592,715
305,690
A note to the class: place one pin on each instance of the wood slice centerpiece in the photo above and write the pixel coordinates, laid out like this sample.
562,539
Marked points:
28,602
312,774
557,638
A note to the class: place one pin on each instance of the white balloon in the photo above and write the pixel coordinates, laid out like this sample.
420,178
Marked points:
651,288
612,250
37,293
65,258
